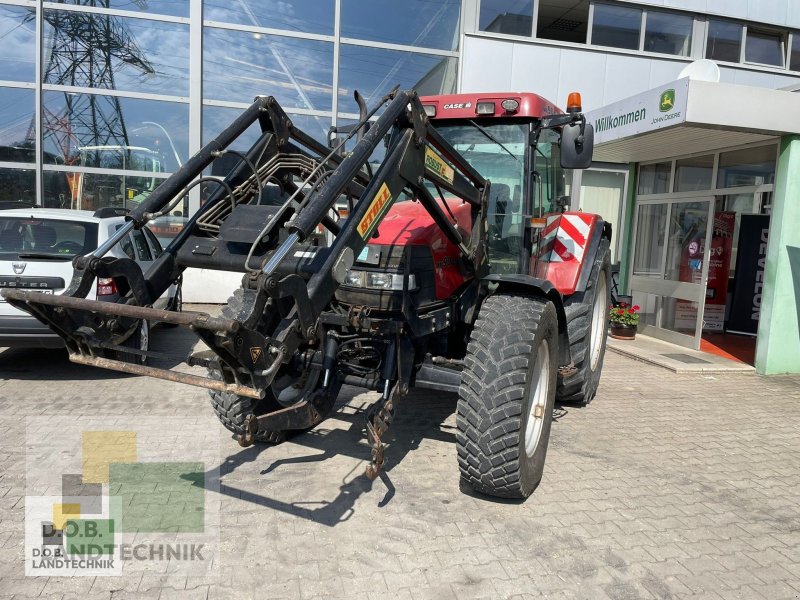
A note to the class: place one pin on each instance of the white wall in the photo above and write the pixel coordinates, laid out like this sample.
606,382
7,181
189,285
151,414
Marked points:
602,76
204,286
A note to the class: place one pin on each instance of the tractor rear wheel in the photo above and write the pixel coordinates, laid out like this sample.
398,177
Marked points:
506,397
587,326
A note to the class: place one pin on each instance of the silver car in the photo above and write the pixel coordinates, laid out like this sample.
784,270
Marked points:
37,246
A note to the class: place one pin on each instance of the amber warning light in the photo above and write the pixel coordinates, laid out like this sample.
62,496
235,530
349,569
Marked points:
574,102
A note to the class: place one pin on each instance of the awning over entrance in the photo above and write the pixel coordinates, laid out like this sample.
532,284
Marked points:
689,116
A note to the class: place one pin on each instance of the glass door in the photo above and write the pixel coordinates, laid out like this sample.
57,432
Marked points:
672,240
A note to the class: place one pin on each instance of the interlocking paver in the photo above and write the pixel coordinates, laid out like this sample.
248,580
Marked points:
666,486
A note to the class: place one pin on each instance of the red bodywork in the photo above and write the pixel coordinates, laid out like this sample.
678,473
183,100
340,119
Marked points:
462,106
562,245
409,224
563,240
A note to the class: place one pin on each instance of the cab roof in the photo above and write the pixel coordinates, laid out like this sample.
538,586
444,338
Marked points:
463,106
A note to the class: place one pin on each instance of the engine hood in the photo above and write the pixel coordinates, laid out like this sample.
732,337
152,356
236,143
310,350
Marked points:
408,223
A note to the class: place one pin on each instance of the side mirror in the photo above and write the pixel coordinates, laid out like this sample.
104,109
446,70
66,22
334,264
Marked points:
577,146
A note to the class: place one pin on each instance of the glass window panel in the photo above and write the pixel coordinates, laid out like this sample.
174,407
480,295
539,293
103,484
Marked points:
294,15
679,316
724,41
17,185
749,166
175,8
375,71
18,38
514,17
217,118
650,230
432,24
686,242
109,132
668,33
654,179
119,53
238,66
90,191
764,47
693,174
616,26
17,141
565,20
794,57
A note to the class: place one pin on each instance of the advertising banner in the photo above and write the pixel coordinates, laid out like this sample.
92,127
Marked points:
719,267
751,259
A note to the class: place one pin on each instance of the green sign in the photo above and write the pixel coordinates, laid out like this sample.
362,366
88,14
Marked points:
667,101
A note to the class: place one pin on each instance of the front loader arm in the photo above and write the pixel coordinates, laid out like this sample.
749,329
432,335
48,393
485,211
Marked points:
276,316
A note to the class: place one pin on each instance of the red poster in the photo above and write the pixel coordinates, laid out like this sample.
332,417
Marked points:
719,270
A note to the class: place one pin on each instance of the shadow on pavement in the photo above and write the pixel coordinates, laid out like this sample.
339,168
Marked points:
419,417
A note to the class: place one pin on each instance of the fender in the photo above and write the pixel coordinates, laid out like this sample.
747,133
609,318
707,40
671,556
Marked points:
599,233
533,286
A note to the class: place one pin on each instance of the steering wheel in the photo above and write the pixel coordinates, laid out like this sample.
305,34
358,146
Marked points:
68,246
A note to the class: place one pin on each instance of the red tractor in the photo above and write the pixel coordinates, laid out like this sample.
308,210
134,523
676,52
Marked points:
457,268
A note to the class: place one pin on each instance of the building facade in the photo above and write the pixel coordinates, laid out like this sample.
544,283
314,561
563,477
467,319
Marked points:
100,100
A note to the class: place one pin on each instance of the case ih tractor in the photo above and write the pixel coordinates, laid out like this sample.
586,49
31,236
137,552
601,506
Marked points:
457,268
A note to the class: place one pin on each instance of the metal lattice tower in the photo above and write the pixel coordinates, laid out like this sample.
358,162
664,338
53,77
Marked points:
83,50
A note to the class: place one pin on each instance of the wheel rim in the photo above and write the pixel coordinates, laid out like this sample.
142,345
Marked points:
538,400
598,321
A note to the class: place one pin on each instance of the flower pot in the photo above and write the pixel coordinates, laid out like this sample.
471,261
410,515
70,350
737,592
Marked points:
621,331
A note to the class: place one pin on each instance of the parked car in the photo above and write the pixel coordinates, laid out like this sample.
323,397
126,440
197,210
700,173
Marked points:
37,246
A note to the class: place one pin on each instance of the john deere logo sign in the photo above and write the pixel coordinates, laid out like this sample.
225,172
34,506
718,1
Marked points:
667,101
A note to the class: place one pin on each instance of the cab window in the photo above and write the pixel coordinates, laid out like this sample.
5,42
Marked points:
547,165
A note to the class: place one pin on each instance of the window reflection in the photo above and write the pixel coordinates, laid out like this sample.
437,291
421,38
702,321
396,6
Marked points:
668,33
103,51
17,186
18,36
693,174
764,47
238,66
90,191
175,8
87,129
17,140
750,166
294,15
432,24
375,71
514,17
724,41
616,26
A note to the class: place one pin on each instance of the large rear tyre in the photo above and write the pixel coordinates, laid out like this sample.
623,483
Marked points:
506,397
587,326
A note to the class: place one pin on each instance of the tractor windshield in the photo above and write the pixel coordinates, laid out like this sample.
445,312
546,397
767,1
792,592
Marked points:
497,151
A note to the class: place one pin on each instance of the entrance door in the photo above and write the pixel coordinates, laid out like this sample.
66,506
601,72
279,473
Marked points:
670,267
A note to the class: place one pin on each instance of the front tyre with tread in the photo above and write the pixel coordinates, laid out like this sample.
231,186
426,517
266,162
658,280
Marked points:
587,327
507,394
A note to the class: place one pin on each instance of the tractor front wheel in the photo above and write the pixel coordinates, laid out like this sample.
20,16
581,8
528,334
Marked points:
587,326
506,397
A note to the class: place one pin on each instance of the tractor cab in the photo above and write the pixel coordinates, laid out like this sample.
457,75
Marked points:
515,141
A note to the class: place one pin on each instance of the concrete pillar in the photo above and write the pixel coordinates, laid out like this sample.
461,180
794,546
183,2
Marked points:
778,346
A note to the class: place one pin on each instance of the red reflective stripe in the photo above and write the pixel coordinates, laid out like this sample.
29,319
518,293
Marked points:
562,250
551,226
572,231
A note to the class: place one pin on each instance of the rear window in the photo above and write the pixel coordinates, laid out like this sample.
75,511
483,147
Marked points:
27,237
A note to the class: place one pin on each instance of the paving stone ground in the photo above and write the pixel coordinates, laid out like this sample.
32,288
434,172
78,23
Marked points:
666,486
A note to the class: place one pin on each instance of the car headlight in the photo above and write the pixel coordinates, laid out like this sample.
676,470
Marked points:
378,280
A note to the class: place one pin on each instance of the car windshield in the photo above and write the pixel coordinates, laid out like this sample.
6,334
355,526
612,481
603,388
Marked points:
32,237
497,151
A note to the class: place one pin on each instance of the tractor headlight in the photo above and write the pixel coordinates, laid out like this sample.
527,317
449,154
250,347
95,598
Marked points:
378,280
